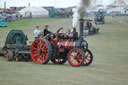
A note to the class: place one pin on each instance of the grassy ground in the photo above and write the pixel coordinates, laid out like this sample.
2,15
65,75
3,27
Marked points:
110,65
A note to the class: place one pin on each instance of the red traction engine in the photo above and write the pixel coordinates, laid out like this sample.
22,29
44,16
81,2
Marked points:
60,47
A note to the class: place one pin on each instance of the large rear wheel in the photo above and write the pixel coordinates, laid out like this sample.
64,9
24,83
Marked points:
76,57
41,51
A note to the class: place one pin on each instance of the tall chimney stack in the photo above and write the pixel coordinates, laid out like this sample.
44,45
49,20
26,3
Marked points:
29,4
5,5
81,27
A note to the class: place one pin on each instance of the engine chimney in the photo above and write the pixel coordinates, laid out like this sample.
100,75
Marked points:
81,27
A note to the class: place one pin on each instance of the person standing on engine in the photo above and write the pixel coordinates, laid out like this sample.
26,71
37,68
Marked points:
36,32
89,25
46,31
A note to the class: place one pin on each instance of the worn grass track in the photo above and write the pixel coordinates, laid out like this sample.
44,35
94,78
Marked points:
110,65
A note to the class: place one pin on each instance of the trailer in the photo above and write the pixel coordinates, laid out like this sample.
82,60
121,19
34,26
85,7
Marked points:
16,47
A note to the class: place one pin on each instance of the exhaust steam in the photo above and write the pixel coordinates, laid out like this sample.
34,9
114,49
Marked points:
80,11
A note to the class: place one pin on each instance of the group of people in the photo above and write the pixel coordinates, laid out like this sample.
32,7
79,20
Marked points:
37,31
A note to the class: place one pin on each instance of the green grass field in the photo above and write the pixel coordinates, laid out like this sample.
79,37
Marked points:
109,47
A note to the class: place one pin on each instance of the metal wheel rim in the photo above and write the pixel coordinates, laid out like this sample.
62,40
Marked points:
88,59
78,60
37,56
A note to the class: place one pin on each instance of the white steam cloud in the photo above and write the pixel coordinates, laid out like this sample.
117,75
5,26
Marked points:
80,11
121,2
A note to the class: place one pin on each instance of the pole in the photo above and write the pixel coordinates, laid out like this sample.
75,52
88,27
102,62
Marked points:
5,5
29,4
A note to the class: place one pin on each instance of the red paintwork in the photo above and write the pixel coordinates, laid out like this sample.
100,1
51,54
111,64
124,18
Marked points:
66,44
63,44
70,36
54,40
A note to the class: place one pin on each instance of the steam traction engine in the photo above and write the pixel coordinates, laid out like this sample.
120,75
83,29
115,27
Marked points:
60,47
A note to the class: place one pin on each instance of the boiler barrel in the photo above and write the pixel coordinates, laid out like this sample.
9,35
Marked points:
66,44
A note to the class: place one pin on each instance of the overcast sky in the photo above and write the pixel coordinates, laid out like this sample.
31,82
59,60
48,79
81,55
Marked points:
56,3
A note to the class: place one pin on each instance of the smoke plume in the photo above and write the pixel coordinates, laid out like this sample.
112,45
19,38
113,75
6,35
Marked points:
80,11
120,1
82,7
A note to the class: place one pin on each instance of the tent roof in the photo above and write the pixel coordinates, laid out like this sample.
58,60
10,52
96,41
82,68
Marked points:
33,9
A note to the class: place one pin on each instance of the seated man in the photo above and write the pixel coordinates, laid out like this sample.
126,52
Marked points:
36,32
46,30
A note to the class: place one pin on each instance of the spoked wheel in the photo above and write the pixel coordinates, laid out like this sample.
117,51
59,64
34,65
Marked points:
61,60
41,51
76,57
89,57
9,55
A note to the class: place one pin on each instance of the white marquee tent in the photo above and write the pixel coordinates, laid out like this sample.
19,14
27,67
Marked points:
34,12
116,9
